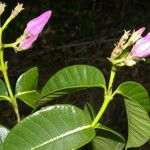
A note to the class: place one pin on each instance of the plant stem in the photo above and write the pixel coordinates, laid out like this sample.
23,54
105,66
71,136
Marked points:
5,75
111,80
101,111
3,69
107,98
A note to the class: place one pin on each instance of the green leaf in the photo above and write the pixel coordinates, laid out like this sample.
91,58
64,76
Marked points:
118,135
29,97
138,124
58,127
89,110
71,79
3,133
1,147
106,143
26,87
27,81
106,139
3,91
136,92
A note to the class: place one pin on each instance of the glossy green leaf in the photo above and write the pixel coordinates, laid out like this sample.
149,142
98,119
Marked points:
29,97
3,133
89,110
106,139
138,124
26,87
27,81
3,91
136,92
58,127
72,79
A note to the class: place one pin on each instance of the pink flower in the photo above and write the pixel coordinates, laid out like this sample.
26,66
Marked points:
142,47
33,29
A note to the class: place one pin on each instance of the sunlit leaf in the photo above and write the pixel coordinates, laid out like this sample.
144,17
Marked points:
59,127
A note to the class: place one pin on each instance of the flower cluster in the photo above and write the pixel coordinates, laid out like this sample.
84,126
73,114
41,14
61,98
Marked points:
139,51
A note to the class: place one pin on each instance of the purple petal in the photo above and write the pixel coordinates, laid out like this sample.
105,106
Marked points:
36,25
142,48
147,37
33,29
27,43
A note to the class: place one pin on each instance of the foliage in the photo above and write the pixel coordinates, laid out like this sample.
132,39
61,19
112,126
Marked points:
65,126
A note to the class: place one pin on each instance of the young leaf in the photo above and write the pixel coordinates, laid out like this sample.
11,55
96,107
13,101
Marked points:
136,92
52,128
26,87
3,91
138,124
89,110
106,139
71,79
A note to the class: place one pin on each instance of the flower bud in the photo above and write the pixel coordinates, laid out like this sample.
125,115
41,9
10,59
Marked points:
135,36
119,47
129,62
33,29
142,48
16,10
2,8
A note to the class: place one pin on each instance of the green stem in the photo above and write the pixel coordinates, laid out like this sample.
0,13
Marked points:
111,80
5,75
14,45
101,111
3,69
10,45
107,98
7,22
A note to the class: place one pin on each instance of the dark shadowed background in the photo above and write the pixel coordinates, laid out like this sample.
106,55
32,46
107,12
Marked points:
79,32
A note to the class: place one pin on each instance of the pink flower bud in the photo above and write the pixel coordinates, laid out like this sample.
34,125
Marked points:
33,29
135,36
139,32
142,47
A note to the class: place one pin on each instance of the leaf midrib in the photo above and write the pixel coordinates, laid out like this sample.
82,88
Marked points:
63,135
72,87
26,92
